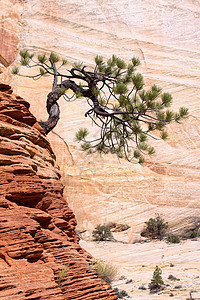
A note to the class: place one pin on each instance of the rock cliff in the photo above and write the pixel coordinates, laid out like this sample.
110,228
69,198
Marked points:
165,36
40,256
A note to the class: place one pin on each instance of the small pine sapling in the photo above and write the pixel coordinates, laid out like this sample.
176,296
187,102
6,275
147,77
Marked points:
156,281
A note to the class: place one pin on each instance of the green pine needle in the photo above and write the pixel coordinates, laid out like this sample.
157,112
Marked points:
64,61
138,81
54,57
120,63
78,64
99,60
24,53
136,154
166,99
81,134
169,116
42,58
183,112
15,70
24,61
151,150
120,88
142,137
85,146
164,135
42,72
135,61
143,146
141,160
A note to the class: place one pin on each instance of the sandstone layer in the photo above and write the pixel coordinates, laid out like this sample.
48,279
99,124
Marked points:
165,36
40,255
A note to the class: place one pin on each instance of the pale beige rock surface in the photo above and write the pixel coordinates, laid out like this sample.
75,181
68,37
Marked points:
10,28
137,262
165,35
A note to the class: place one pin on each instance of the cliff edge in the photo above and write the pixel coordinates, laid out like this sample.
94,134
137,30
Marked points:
40,255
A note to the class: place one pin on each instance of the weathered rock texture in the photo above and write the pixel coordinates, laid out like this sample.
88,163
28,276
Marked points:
137,262
10,20
165,35
37,228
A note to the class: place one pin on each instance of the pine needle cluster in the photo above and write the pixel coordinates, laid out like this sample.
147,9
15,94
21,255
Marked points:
126,113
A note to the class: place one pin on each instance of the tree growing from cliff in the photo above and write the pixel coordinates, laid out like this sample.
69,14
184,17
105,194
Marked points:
125,113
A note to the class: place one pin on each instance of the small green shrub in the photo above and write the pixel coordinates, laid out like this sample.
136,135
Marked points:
156,281
62,274
102,233
142,287
172,277
155,228
105,270
173,239
195,230
193,234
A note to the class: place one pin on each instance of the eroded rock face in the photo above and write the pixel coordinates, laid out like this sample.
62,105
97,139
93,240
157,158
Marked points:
165,36
37,228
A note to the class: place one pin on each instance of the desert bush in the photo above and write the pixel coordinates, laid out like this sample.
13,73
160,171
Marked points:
172,277
121,293
173,239
105,270
191,234
156,281
62,274
155,228
102,233
142,287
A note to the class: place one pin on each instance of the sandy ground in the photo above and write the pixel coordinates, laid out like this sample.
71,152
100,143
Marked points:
137,262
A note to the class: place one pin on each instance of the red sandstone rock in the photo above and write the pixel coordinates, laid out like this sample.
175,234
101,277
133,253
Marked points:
37,228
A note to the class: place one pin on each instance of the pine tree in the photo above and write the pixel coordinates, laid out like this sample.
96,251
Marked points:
156,227
156,281
125,112
102,233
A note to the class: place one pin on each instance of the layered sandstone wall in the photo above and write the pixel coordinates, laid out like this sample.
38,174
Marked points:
37,228
165,36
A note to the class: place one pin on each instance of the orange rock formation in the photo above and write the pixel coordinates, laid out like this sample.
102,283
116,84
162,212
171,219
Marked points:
37,228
